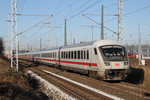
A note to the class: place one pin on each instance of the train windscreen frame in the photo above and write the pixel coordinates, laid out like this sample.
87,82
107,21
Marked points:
113,53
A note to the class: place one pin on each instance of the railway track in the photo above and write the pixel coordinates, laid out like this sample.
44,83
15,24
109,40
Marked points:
70,88
122,89
134,91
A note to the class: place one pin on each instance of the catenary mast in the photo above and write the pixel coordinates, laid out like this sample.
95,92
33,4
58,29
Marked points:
14,36
120,22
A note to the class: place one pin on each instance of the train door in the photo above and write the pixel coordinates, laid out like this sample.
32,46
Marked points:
56,60
58,56
87,60
85,66
55,57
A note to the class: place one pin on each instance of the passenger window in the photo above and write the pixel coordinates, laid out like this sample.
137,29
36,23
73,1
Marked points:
64,55
95,51
84,54
69,54
81,54
87,54
78,54
61,55
75,55
72,54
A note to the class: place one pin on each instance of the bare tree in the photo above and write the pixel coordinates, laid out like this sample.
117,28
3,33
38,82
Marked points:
1,47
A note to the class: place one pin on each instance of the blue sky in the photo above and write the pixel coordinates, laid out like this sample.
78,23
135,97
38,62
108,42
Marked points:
77,26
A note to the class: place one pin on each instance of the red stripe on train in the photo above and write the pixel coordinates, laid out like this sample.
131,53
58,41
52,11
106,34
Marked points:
71,62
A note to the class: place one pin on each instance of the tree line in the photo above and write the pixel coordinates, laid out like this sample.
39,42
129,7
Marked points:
1,47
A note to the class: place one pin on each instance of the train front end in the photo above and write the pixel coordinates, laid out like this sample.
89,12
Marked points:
115,62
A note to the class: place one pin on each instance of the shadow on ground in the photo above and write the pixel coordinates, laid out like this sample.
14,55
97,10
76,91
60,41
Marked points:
136,76
9,91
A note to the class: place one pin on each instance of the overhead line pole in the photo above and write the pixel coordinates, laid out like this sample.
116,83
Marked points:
92,27
102,23
120,21
98,23
14,41
139,47
49,31
40,44
35,24
49,16
65,34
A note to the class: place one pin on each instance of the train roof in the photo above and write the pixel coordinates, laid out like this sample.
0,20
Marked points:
39,51
98,43
78,45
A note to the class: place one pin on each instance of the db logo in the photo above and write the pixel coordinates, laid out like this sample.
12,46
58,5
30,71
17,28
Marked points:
117,64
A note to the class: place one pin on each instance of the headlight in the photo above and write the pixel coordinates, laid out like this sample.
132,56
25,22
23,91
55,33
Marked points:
107,63
126,63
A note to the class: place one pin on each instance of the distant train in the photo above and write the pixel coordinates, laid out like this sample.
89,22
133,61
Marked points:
105,59
131,55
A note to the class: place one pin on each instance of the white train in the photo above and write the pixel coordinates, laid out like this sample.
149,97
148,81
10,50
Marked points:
104,59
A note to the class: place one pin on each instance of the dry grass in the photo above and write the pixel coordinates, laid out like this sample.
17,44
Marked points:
8,74
15,86
146,81
146,70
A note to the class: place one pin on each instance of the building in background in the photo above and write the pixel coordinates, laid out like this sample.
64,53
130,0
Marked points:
134,49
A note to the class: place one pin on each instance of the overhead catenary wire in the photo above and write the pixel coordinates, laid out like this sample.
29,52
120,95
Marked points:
57,6
22,6
65,8
77,14
75,10
33,35
132,12
100,24
18,5
80,6
68,19
106,6
33,26
74,2
135,11
71,17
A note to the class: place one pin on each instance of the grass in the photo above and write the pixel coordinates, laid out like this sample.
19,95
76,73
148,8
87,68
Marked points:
146,71
15,85
8,74
146,76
